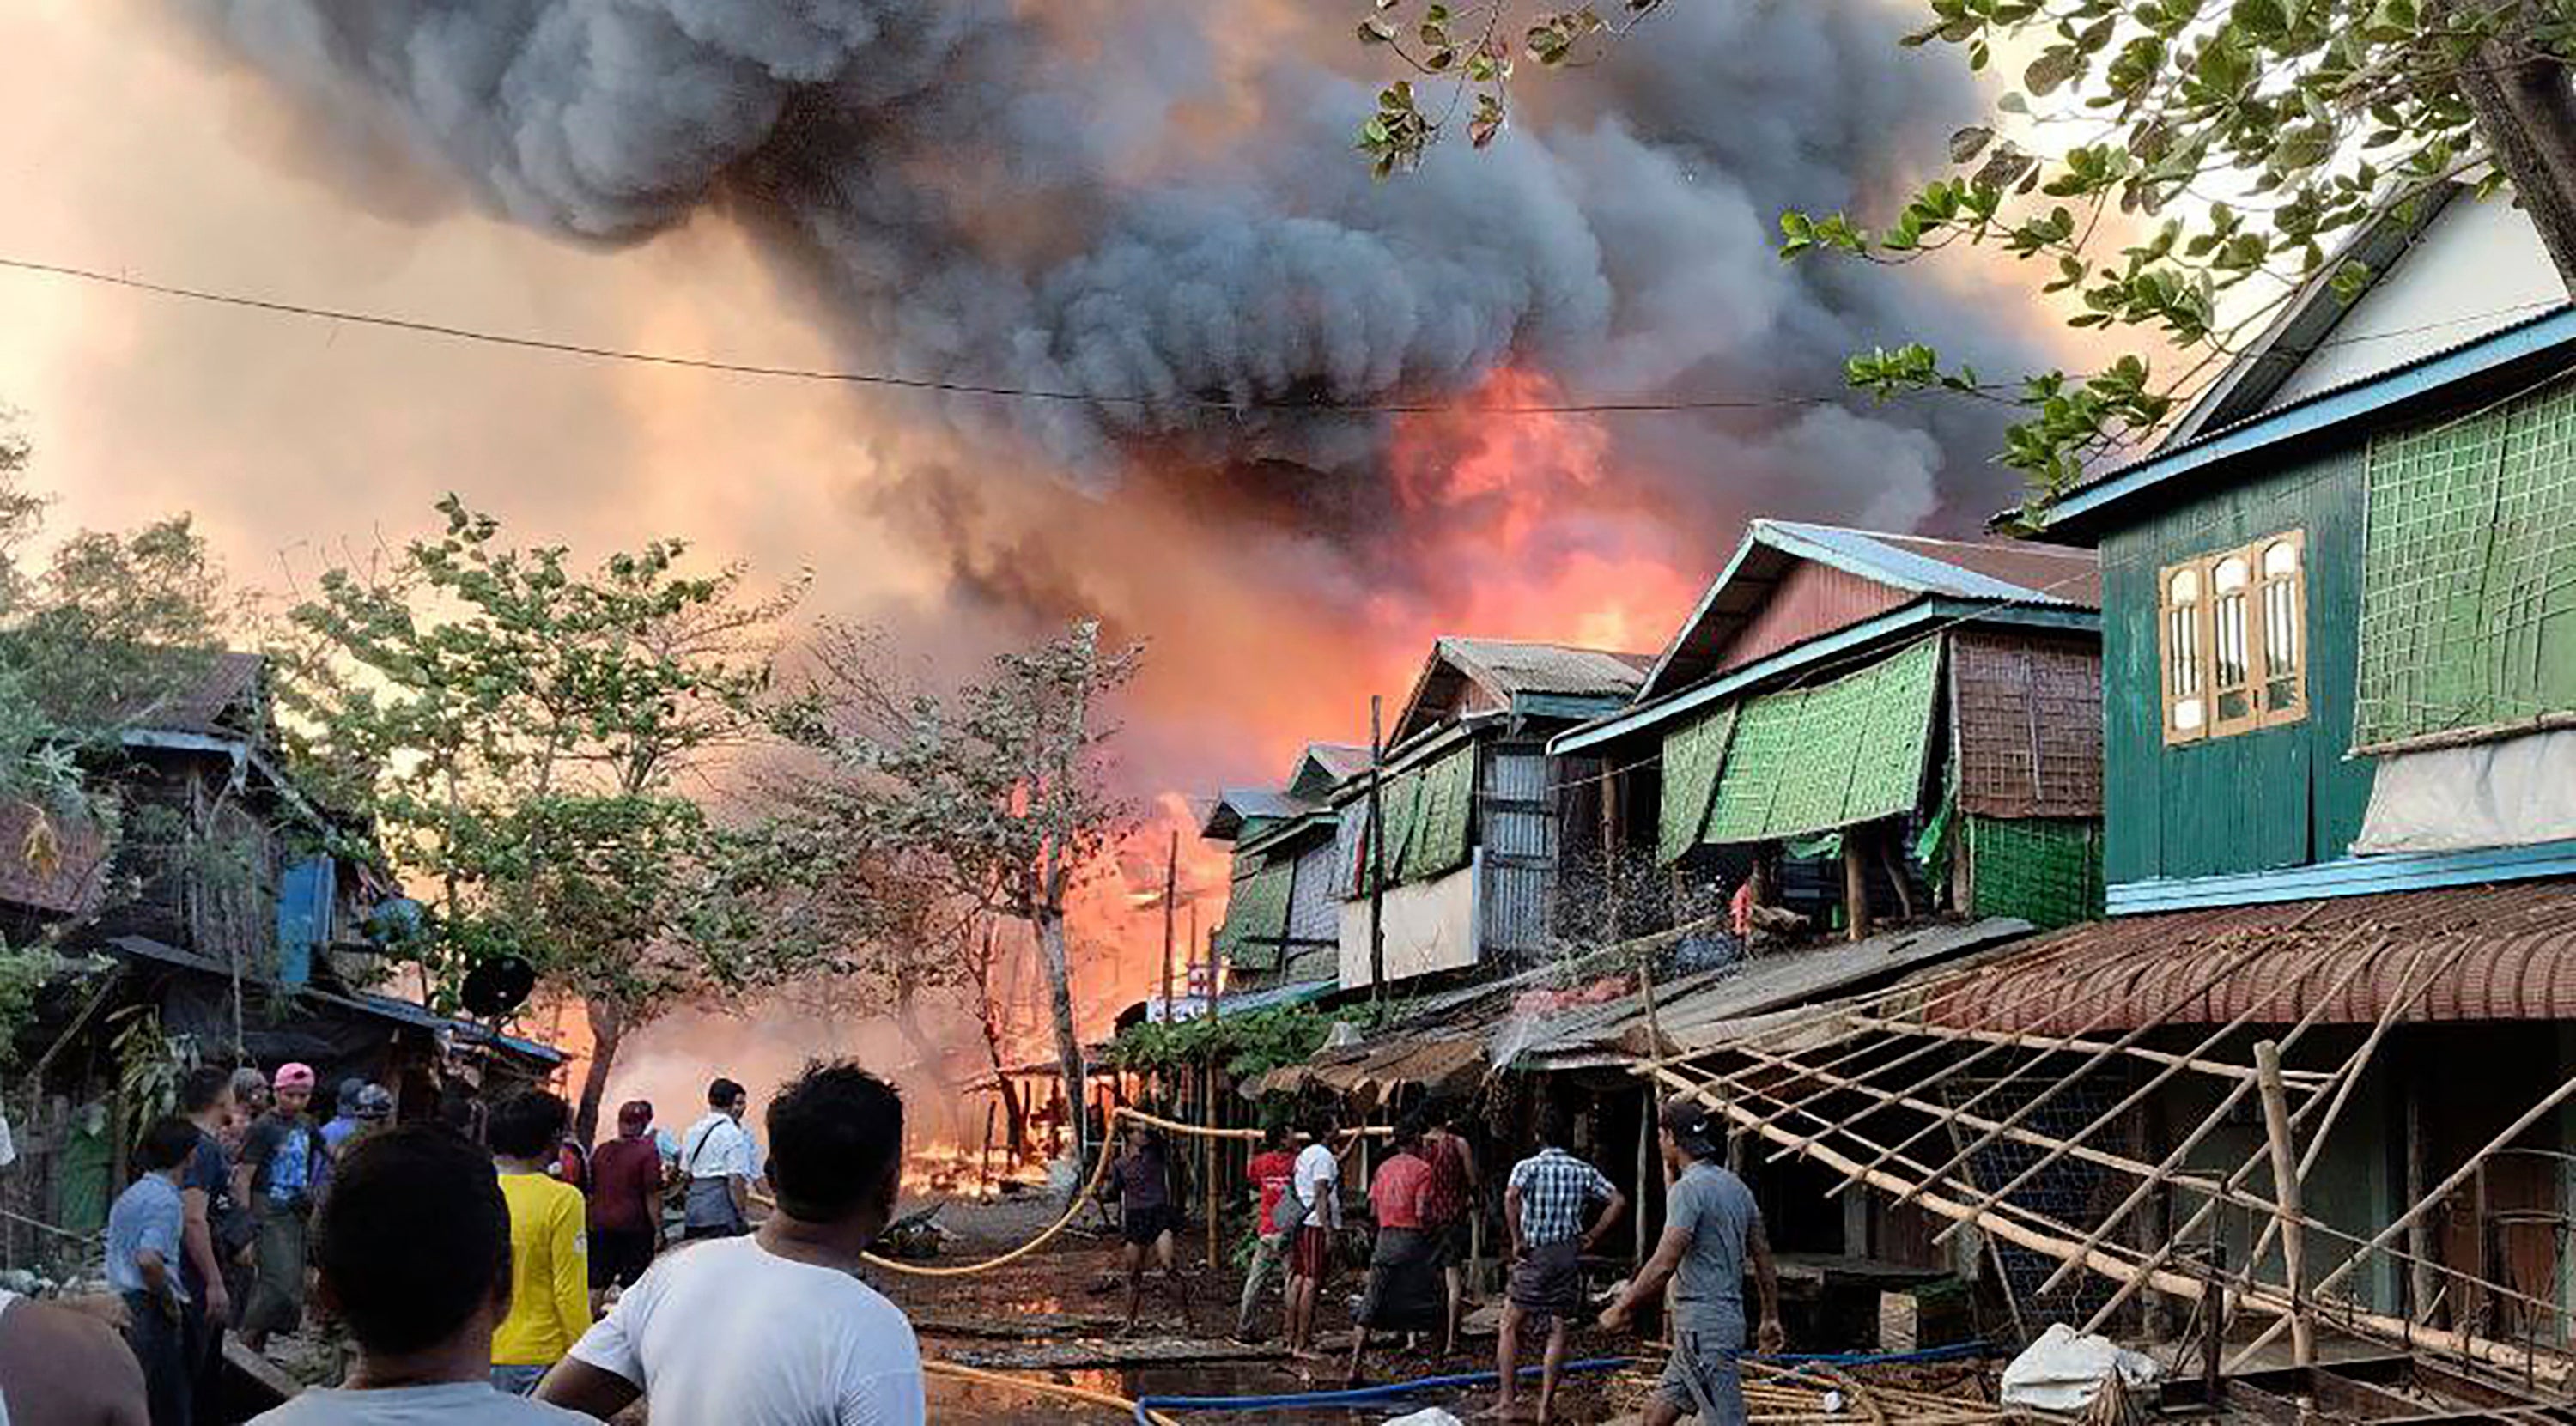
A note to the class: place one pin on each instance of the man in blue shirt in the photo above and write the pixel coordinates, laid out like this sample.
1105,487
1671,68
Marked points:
143,1258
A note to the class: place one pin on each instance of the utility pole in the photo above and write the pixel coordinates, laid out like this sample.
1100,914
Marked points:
1171,885
1377,858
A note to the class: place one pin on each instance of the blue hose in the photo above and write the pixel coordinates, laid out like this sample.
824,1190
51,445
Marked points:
1363,1395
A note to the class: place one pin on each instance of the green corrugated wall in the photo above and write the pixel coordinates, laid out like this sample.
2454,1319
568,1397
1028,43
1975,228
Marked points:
2274,797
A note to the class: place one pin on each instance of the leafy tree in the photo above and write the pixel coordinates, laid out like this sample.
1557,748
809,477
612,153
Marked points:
94,638
531,742
995,792
2219,153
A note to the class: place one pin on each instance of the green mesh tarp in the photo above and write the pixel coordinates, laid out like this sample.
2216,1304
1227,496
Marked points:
2468,603
1256,917
1446,796
1693,756
1808,760
2045,870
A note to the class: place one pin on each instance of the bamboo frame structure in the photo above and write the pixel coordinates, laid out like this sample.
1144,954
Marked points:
1815,1102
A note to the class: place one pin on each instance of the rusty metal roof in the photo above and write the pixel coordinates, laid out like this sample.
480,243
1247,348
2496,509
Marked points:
2492,952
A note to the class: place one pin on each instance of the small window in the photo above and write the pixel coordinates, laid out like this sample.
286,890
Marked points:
2233,633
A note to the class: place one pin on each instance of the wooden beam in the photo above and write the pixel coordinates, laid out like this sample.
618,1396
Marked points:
2285,1193
2316,960
2309,1080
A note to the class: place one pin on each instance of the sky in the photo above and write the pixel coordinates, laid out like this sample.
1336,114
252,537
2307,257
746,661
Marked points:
1279,574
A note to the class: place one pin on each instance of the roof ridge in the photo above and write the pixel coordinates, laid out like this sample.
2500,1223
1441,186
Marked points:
2033,546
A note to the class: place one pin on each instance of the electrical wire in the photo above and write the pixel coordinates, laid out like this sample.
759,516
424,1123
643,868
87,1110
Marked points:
943,386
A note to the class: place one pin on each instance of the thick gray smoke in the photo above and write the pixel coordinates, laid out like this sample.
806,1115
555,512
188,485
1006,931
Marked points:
1154,199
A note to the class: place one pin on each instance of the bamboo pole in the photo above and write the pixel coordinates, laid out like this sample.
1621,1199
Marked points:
2226,968
2409,990
2016,1039
2285,1192
2316,960
2102,1261
2440,1191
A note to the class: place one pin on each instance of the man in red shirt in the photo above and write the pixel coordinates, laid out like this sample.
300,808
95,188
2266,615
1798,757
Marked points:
1447,1212
1403,1291
1268,1174
625,1202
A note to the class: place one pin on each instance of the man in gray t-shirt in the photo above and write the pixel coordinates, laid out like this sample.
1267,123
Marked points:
1711,1227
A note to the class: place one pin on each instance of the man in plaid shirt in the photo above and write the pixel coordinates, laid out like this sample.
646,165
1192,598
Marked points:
1543,1207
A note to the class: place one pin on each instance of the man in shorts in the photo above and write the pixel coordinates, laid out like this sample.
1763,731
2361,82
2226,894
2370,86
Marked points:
1543,1209
1317,1184
1448,1213
1711,1227
1148,1219
1269,1173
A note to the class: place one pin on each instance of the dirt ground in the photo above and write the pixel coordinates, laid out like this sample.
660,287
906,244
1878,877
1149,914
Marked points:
1078,1276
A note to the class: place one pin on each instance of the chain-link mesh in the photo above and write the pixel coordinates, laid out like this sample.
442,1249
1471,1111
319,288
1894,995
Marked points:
2045,870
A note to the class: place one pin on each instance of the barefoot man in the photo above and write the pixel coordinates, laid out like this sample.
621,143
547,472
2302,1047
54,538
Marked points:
1710,1227
1543,1208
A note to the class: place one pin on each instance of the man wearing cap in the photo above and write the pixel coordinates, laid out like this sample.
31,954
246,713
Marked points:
625,1201
1711,1226
279,1170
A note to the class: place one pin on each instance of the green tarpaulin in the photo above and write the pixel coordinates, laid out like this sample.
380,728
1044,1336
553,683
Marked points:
1808,760
1440,814
1256,917
1693,756
2468,604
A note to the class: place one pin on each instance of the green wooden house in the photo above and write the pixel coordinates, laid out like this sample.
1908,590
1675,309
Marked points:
1908,720
1282,911
2339,670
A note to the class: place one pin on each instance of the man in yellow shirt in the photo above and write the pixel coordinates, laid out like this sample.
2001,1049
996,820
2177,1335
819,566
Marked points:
549,1256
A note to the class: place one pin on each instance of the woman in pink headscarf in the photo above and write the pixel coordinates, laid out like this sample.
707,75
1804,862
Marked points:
280,1168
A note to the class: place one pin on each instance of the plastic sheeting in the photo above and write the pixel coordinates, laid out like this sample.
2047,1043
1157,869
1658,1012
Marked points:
2511,793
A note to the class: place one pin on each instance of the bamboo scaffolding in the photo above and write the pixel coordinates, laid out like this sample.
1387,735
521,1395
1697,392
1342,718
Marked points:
2092,1062
2261,1297
2440,1191
2409,990
2110,1007
2310,1080
2315,962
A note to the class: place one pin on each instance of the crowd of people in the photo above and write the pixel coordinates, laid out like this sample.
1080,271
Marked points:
1557,1209
484,1267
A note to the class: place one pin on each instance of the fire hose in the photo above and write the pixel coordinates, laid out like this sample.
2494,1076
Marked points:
1073,1205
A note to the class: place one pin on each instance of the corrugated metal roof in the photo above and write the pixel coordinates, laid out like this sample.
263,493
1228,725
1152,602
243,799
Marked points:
212,684
1701,1013
1510,668
1342,761
2516,345
1237,805
2510,953
2017,572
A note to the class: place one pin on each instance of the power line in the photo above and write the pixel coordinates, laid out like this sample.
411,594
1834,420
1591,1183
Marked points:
940,386
453,332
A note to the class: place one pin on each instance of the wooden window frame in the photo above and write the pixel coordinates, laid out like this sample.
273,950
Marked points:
2273,695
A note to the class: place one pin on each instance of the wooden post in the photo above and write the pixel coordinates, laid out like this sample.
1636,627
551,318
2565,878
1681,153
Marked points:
1375,849
1216,1156
2213,1318
2419,1234
2285,1195
1645,1168
1171,890
1855,884
984,1161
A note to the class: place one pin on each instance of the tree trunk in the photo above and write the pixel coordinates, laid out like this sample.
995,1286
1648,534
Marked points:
1049,915
1014,1115
607,1028
2526,112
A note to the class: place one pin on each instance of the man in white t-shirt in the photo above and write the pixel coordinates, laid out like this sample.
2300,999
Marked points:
1310,1257
721,1163
773,1329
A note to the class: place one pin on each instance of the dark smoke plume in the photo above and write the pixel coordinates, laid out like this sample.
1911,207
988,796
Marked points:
1144,198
